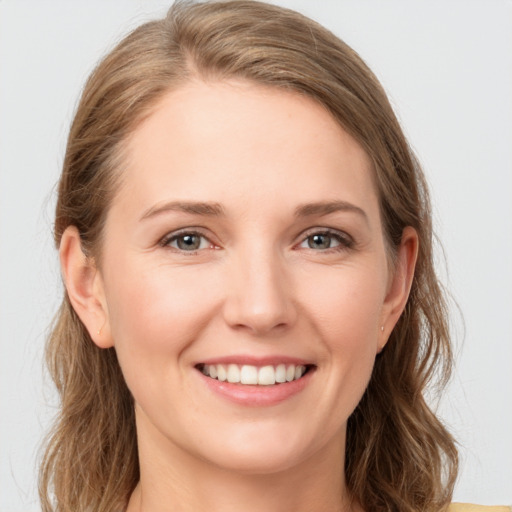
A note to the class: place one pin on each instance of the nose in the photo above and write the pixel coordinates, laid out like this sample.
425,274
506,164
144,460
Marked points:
259,294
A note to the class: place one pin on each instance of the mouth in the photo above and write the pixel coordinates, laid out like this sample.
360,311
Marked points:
252,375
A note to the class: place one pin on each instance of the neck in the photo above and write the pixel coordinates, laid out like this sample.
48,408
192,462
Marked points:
173,479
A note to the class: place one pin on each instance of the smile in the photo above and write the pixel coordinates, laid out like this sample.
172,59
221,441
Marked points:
256,382
267,375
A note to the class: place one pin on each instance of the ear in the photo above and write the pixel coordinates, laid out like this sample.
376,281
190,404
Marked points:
84,285
399,285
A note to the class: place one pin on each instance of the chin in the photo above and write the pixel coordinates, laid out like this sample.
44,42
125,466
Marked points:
263,452
250,462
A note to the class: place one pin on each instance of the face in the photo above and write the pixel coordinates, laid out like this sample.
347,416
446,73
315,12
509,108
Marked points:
245,243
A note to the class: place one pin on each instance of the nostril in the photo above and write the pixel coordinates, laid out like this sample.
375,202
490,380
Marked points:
260,326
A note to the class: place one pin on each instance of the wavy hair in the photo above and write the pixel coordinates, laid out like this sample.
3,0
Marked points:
399,456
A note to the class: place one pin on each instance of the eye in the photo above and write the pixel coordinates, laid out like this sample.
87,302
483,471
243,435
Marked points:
321,241
187,242
325,240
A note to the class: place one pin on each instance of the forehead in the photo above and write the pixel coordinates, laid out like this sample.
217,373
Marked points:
226,140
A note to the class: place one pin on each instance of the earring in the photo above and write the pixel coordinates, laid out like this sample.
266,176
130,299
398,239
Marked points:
382,328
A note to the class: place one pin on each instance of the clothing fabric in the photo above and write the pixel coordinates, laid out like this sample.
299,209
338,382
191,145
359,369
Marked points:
467,507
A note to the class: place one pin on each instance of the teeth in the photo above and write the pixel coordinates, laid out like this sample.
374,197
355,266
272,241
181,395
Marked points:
222,375
233,374
299,370
281,373
266,376
248,374
253,375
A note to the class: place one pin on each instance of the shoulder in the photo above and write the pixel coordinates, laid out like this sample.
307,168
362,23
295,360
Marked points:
466,507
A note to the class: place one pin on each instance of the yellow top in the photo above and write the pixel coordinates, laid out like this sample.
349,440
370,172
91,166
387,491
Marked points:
466,507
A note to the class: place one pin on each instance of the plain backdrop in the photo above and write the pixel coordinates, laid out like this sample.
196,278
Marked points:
447,66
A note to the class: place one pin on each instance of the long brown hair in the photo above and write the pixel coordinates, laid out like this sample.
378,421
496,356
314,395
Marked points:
399,456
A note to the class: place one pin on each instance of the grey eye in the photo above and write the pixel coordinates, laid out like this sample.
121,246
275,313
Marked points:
322,241
189,242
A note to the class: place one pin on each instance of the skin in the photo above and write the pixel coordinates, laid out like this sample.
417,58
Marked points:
257,286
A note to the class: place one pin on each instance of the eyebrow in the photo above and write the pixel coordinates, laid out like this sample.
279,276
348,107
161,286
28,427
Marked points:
328,207
192,207
215,209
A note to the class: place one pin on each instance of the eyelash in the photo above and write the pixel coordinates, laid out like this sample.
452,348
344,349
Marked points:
344,241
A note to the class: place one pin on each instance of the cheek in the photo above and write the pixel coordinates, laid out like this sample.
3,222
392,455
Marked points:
346,305
155,315
345,309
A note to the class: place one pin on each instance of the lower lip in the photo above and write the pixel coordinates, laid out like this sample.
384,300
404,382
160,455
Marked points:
257,396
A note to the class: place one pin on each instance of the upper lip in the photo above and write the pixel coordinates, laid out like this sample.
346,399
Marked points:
241,359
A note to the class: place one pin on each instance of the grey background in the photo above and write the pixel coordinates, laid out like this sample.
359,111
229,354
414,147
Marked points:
447,66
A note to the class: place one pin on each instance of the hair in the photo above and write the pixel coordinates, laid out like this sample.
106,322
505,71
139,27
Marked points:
399,456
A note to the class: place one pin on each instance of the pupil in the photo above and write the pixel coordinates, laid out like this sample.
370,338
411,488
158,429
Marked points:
320,242
188,242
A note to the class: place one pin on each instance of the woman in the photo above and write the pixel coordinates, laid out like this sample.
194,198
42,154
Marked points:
252,314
